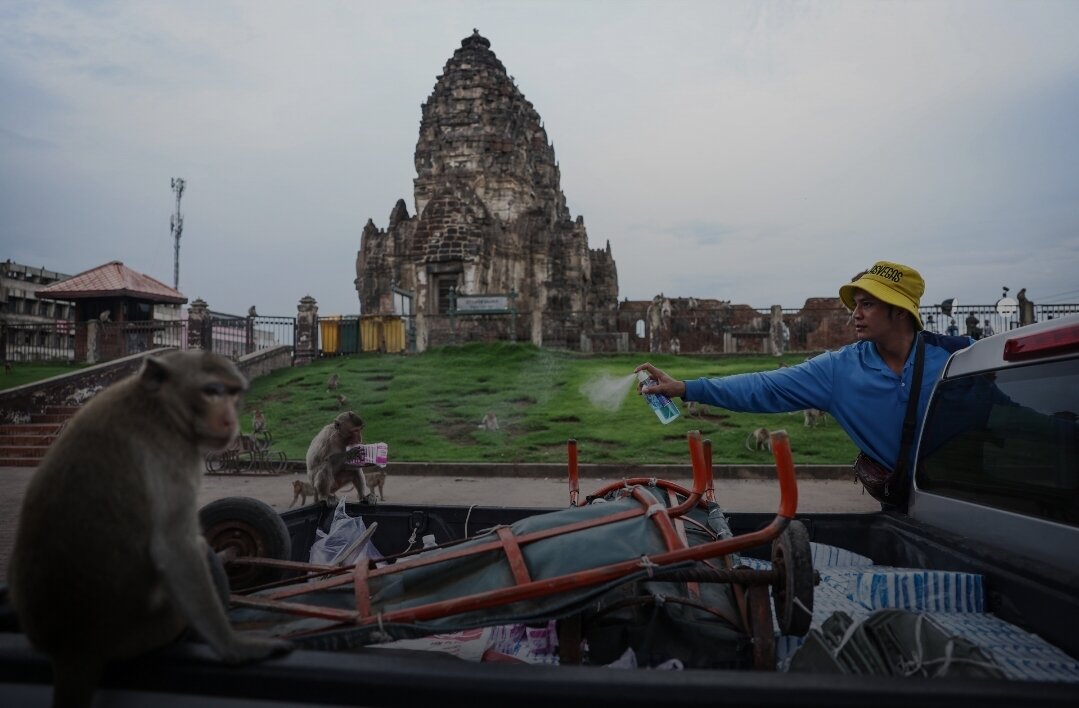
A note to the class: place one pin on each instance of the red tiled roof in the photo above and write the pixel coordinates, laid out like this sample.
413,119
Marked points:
111,279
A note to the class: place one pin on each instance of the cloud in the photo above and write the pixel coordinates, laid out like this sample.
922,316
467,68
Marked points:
753,151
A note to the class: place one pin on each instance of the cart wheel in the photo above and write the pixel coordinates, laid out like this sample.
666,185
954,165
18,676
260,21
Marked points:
253,529
761,629
792,559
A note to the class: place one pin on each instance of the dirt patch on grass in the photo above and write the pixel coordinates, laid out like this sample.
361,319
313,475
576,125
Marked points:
457,431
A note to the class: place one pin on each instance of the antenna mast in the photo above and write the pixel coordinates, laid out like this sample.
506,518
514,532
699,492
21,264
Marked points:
177,225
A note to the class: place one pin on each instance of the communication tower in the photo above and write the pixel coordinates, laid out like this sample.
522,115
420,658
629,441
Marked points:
177,224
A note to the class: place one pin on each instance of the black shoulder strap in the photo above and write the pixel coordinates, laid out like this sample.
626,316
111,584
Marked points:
910,423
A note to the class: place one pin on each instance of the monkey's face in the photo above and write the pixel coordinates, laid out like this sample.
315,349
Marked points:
201,393
349,428
220,401
351,435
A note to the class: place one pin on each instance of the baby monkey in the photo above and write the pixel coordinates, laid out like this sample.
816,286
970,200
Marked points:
109,560
489,422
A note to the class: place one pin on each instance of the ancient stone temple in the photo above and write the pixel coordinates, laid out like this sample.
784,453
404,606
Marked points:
491,251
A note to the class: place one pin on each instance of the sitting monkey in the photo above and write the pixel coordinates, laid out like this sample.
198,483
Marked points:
258,422
326,466
109,559
489,422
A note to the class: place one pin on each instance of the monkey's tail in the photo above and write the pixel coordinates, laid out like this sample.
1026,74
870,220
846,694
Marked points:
748,438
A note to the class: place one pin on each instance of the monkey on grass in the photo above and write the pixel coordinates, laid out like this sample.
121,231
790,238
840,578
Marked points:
109,559
759,440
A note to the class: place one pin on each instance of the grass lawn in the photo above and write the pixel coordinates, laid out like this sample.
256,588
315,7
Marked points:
31,371
428,407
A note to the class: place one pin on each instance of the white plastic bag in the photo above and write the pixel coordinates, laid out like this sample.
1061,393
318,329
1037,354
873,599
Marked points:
344,529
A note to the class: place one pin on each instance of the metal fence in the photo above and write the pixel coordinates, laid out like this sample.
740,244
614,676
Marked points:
119,339
56,341
984,320
975,320
37,341
236,336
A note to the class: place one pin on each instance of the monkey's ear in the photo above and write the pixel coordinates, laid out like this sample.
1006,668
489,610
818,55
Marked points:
155,371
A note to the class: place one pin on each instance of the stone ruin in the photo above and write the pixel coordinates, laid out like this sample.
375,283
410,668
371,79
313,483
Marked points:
490,219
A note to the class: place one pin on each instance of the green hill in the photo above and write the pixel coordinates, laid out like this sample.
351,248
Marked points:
428,407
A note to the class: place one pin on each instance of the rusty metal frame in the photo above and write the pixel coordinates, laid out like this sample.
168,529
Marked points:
524,587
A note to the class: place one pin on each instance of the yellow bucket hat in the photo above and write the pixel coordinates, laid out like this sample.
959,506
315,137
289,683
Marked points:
893,283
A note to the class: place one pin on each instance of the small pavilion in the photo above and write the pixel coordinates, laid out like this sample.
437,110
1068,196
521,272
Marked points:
114,309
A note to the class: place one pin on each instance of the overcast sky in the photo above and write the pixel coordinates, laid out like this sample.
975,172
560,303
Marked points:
757,152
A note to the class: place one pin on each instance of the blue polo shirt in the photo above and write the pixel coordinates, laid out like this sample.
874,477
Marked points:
855,386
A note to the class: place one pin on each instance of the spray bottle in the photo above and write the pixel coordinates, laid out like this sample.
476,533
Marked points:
664,407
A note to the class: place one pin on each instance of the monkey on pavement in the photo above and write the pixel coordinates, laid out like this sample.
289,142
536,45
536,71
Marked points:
109,559
326,466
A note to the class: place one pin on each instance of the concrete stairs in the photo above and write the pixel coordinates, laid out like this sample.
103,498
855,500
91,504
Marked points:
24,444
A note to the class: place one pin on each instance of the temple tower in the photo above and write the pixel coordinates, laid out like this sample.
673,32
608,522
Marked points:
490,218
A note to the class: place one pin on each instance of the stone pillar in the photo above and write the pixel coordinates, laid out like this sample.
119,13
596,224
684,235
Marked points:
778,341
1026,309
93,341
199,332
306,331
249,330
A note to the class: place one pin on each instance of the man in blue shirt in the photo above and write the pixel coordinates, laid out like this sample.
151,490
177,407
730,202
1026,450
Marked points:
865,386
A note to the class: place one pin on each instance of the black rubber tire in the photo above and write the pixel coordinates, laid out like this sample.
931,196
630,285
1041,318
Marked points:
251,527
792,557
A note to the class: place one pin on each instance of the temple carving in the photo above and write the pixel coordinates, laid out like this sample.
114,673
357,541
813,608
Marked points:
490,220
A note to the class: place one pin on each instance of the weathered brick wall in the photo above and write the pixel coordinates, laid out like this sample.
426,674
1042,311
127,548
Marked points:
80,385
74,388
689,325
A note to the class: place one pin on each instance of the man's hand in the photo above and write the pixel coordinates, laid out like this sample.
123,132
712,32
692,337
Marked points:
666,385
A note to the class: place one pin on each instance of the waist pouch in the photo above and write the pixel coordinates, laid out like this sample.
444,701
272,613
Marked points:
883,484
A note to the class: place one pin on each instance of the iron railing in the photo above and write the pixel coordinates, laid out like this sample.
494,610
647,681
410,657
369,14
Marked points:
37,341
237,336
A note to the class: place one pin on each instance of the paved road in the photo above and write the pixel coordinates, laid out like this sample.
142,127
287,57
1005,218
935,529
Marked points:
828,495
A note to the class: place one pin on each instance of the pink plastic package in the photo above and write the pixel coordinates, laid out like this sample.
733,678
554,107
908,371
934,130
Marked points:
368,454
